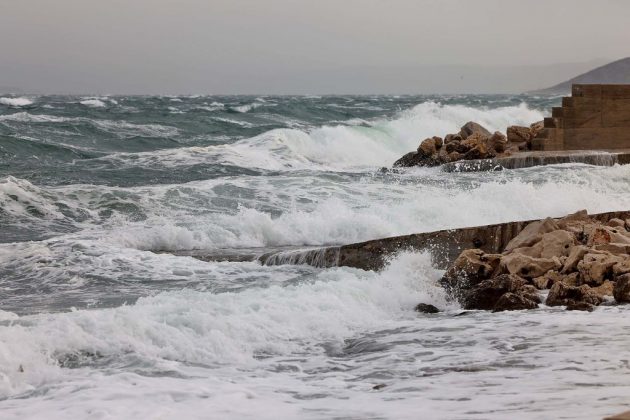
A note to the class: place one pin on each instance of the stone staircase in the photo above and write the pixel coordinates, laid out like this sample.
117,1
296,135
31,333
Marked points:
594,117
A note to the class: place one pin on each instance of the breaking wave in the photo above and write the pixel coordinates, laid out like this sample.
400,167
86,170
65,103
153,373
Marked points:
16,102
342,147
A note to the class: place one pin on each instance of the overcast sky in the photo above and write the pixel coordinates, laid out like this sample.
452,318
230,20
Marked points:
304,46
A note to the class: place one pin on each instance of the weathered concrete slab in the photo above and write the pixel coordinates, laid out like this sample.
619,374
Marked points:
536,158
444,246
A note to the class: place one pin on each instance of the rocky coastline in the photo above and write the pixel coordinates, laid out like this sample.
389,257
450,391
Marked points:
576,262
472,142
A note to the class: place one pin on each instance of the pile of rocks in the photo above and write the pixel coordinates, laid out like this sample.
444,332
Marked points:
472,142
581,261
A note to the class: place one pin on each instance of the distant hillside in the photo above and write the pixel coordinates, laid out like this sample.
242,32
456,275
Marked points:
617,72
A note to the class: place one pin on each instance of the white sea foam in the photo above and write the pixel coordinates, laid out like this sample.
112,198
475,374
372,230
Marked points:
337,213
93,103
247,107
215,328
315,350
20,198
122,129
294,341
16,102
342,147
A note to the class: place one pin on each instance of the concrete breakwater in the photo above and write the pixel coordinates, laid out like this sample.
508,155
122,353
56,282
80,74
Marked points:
537,158
592,126
444,246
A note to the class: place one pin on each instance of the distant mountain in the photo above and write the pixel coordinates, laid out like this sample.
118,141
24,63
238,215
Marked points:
617,72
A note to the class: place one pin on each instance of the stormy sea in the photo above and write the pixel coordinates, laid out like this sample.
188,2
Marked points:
102,317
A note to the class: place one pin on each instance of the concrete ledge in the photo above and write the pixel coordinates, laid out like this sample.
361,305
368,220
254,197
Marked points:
444,246
540,158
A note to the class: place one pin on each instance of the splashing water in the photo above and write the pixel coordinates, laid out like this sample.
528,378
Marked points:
91,320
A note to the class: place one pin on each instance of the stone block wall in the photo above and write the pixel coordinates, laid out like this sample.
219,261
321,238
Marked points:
593,117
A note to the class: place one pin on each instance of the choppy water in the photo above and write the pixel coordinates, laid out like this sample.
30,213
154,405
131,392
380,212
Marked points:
95,325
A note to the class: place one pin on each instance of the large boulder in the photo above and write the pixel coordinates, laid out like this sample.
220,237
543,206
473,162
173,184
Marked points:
531,234
561,295
528,267
513,302
573,305
595,268
605,289
547,280
622,267
557,243
449,138
487,293
574,257
614,248
497,142
428,147
471,128
518,135
452,146
471,267
599,235
621,291
416,159
426,308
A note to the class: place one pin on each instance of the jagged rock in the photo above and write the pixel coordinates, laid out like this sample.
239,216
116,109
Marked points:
622,267
575,256
497,142
428,147
572,279
472,127
561,294
573,305
451,138
557,243
598,235
438,142
530,251
580,216
442,155
604,289
452,146
471,267
454,156
485,294
595,268
536,128
547,280
513,302
528,267
614,248
474,140
426,308
621,291
480,151
530,292
531,234
518,134
416,159
618,223
622,416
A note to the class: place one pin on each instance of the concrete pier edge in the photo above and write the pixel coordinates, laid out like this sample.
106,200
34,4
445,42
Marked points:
443,245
